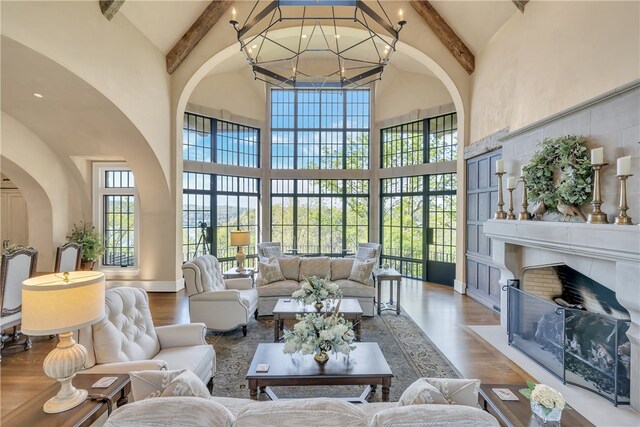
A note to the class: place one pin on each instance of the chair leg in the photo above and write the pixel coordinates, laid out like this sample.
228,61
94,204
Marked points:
27,343
210,386
244,330
255,315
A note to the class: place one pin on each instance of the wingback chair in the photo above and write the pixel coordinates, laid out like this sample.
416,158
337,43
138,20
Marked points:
126,340
268,250
367,251
220,304
68,257
15,267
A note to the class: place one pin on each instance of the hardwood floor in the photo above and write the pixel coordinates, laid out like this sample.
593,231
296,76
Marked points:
442,313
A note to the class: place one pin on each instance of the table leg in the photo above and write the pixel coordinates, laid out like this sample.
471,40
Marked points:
122,400
391,292
379,297
276,330
358,328
253,389
386,385
398,301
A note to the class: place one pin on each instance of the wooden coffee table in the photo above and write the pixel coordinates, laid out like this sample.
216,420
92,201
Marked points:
288,308
365,366
513,413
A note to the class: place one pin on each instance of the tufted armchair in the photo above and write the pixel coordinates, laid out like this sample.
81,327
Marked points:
220,304
126,340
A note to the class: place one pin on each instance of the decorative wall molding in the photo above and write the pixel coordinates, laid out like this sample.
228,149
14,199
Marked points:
486,144
221,114
416,115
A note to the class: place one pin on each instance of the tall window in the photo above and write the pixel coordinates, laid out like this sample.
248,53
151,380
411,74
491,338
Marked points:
223,203
424,141
207,139
407,205
320,216
326,129
115,207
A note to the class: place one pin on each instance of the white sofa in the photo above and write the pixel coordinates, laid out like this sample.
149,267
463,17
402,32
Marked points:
126,340
220,304
295,269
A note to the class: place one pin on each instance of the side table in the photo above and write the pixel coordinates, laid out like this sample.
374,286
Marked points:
31,413
235,274
394,277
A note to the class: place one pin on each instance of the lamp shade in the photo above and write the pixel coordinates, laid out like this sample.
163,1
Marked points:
240,238
51,304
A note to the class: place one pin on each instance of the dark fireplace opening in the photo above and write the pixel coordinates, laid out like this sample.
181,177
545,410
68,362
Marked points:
577,332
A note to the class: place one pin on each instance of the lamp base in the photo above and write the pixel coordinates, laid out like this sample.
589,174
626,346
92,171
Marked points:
67,398
240,259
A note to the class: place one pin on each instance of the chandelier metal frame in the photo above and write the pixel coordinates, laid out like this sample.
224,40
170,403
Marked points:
361,72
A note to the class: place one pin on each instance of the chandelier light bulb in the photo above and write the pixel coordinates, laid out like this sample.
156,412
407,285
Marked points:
400,14
304,36
337,36
233,13
37,95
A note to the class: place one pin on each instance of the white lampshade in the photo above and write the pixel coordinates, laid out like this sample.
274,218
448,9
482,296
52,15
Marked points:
51,305
240,238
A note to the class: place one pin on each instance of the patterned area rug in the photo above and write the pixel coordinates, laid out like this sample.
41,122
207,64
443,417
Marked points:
408,351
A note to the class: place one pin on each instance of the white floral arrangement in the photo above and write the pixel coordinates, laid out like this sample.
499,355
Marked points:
315,333
315,289
544,395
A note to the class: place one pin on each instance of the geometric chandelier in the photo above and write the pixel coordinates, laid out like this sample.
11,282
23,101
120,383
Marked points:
318,43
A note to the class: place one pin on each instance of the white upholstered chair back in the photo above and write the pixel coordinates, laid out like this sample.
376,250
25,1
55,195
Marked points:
377,247
126,332
203,274
268,250
68,257
15,268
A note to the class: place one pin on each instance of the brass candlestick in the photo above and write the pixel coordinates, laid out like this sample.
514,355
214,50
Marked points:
510,215
597,216
524,214
622,218
500,214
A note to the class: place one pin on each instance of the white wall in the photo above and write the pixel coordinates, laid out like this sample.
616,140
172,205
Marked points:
554,56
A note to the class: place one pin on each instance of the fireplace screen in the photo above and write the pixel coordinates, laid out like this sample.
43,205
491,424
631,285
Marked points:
585,349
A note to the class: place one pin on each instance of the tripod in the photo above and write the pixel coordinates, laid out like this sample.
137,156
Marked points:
202,240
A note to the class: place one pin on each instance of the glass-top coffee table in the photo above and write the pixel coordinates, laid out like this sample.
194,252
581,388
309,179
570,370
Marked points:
365,366
288,308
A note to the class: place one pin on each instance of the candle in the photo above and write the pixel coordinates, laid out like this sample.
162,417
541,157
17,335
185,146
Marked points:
499,166
597,156
522,170
233,13
511,182
624,165
400,14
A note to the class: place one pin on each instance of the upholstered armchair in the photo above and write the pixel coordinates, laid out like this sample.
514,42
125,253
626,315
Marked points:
220,304
126,340
367,251
268,250
68,257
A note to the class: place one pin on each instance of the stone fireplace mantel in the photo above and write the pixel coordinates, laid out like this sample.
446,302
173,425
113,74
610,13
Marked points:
609,254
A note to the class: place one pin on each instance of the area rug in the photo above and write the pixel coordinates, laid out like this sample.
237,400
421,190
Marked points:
408,351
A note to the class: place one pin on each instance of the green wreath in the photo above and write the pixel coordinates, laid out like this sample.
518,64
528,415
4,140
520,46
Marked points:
568,156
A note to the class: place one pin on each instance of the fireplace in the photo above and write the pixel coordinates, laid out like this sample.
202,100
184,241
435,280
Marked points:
608,255
574,327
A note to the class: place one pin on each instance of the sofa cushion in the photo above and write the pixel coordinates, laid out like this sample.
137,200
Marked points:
198,359
290,267
433,415
233,404
126,332
364,253
177,411
186,384
316,266
446,391
371,409
341,268
270,271
351,289
361,271
302,412
279,289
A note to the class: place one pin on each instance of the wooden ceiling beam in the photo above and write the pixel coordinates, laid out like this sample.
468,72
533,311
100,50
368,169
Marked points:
198,30
109,8
520,4
447,36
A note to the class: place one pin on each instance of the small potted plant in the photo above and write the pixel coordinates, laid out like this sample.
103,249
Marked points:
91,241
546,402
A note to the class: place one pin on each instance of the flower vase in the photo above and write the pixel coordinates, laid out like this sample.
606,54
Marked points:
318,305
546,414
321,357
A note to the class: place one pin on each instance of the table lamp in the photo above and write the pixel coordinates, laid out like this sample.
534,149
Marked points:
59,304
240,238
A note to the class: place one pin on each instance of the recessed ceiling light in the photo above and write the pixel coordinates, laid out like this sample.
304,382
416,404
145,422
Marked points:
255,46
386,47
337,36
37,95
304,36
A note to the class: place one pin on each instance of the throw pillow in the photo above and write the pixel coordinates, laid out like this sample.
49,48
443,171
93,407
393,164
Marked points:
270,271
341,268
272,252
451,391
186,384
364,253
146,384
361,271
289,267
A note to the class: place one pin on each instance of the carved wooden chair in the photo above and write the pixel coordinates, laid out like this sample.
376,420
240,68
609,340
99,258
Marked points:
68,257
15,267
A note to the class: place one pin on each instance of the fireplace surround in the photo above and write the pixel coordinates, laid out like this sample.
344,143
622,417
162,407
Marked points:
608,254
